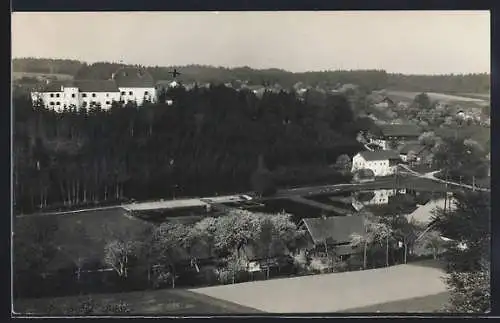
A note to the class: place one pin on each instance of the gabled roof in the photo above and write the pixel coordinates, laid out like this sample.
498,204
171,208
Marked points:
82,85
252,252
96,86
400,130
379,155
133,77
55,86
416,148
336,228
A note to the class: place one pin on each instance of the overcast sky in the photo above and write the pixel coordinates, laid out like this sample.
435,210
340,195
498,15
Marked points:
423,42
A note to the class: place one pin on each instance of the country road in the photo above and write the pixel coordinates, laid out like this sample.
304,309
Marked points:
380,183
432,176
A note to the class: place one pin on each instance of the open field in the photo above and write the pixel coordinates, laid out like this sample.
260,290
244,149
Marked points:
336,292
437,96
415,287
167,302
483,96
426,304
18,75
82,233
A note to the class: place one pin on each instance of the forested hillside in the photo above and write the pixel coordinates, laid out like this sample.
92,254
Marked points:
209,141
369,79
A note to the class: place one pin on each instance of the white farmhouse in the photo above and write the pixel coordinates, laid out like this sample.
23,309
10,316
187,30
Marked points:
135,85
126,85
381,162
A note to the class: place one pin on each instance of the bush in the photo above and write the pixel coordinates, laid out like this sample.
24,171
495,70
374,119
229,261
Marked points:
317,265
354,262
161,278
300,262
225,277
340,266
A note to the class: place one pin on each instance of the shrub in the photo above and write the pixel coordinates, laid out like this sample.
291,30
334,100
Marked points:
340,266
354,262
300,262
225,277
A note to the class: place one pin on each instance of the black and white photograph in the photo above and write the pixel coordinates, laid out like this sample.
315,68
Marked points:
221,163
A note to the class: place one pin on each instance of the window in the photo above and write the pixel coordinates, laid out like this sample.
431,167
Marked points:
107,102
146,93
93,103
84,95
130,93
93,95
51,103
58,103
57,95
107,95
123,92
51,95
73,95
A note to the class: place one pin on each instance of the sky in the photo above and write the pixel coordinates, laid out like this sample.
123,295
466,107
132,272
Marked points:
409,42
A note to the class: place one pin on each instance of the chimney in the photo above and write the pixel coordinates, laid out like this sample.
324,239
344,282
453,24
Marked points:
112,76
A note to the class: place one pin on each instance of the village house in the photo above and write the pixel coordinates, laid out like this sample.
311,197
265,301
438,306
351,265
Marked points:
254,259
380,162
126,85
329,236
384,135
412,153
384,103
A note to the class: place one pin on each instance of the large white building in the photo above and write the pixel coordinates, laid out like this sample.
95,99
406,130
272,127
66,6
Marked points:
126,85
381,162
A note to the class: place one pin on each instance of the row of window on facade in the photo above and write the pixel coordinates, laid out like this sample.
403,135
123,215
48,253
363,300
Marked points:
84,95
84,103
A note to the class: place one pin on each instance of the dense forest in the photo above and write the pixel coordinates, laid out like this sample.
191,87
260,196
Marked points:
209,141
369,79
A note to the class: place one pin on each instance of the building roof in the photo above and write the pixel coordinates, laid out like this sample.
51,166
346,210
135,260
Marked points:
416,148
400,130
424,213
379,155
96,86
336,228
133,77
54,86
254,253
82,85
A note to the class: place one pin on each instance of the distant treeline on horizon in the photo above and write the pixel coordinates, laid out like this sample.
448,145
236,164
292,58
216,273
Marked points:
369,79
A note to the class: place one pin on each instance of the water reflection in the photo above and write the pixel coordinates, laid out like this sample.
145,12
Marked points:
376,197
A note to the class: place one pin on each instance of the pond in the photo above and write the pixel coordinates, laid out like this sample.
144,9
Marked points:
379,202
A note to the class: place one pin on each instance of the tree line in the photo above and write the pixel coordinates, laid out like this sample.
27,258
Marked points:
370,79
209,141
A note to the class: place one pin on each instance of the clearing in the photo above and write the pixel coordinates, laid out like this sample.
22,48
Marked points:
337,292
18,75
415,287
438,96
